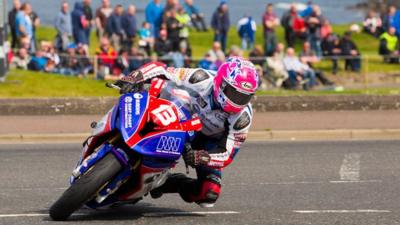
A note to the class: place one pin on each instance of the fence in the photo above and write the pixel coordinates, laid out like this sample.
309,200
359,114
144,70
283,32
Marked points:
373,67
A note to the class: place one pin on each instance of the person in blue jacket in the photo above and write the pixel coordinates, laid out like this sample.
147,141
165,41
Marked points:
154,16
79,24
246,28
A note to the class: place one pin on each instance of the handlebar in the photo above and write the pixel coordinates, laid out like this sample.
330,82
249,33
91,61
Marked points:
111,85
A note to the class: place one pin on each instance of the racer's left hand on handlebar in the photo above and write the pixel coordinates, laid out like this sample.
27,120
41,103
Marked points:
196,158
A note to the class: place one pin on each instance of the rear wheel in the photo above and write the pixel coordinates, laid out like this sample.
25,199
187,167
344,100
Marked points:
85,188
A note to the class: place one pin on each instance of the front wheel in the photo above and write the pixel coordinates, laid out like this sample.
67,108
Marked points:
85,188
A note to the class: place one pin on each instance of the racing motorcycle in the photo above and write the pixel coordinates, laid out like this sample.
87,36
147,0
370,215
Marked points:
131,149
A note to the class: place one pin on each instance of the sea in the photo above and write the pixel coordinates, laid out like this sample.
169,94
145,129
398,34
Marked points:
337,11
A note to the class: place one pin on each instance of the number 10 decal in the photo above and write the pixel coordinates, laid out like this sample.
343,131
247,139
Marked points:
165,114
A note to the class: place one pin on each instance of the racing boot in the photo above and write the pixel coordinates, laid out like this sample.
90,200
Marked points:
173,184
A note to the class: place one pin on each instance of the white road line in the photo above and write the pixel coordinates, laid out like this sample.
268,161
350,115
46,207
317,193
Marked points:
30,215
150,214
354,181
154,214
350,169
342,211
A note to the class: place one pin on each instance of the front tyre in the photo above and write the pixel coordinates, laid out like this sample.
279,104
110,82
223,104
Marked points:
85,188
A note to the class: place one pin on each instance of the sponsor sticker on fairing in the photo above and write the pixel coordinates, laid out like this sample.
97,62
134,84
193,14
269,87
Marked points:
128,112
240,137
137,97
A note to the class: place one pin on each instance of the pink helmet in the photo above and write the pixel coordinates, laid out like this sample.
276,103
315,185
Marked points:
235,84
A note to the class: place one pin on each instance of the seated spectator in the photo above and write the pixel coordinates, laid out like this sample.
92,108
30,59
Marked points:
106,60
146,41
137,58
372,24
163,46
350,50
216,52
122,63
38,62
181,59
69,63
308,56
235,51
256,56
299,73
21,60
331,48
207,63
197,18
115,28
85,63
246,29
277,71
389,46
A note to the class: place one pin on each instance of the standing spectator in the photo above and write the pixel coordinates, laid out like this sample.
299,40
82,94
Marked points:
197,18
115,29
299,73
12,16
88,13
350,50
270,22
106,59
216,54
314,23
35,24
308,56
372,24
171,5
154,16
146,41
129,25
184,20
308,10
287,22
24,26
388,19
173,29
163,45
389,46
79,24
64,27
102,15
246,28
326,29
220,22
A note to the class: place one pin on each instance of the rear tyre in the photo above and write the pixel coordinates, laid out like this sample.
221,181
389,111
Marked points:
85,188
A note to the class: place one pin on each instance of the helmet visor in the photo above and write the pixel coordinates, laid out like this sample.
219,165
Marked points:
235,96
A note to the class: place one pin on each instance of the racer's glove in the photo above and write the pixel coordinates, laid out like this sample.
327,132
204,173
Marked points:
196,158
131,83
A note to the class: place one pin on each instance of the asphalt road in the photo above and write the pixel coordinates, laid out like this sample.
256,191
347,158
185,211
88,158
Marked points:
350,182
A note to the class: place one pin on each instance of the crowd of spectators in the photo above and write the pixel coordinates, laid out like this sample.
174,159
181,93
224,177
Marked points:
385,27
125,45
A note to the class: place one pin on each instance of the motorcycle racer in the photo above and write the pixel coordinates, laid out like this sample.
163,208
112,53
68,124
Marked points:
222,102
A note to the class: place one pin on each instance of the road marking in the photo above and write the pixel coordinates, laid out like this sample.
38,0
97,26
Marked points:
150,214
31,215
354,181
342,211
350,169
174,213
